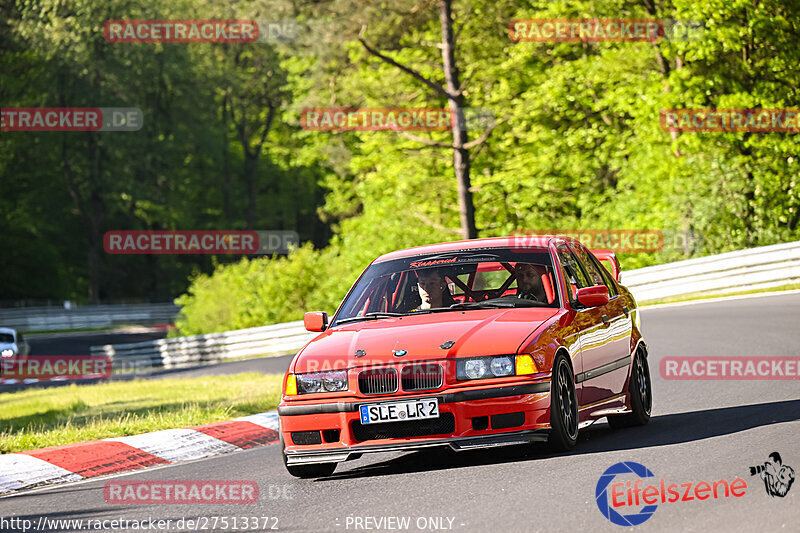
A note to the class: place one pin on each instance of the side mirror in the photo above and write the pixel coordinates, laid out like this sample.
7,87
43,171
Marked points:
318,320
593,296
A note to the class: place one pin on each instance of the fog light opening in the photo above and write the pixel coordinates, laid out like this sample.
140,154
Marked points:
480,423
330,435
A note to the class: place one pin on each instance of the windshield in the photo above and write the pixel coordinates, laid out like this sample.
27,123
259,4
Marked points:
453,281
6,337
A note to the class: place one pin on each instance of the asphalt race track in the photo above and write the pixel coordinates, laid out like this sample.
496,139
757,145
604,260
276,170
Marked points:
700,431
79,343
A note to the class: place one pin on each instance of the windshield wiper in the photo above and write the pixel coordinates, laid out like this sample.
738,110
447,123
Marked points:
497,303
370,316
487,304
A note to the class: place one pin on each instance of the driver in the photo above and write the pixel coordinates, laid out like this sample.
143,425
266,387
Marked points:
433,291
529,282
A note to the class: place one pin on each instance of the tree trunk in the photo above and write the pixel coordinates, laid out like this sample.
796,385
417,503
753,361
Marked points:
91,210
250,167
226,167
96,218
251,157
92,218
461,144
461,159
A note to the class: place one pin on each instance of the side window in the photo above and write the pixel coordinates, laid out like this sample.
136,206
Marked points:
371,300
573,274
377,297
592,270
612,289
404,291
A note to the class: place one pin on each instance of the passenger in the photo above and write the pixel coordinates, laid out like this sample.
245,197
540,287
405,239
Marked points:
529,282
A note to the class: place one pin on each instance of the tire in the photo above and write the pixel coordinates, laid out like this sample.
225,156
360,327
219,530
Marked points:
640,389
307,471
563,407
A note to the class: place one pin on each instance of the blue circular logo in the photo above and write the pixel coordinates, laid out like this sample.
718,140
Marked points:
601,496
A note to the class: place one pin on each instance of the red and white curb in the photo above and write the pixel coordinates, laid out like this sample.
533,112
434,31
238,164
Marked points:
74,462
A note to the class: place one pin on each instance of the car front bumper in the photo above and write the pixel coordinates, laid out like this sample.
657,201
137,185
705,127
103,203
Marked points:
514,414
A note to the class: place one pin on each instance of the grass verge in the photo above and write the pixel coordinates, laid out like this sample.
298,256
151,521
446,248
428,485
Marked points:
36,418
693,297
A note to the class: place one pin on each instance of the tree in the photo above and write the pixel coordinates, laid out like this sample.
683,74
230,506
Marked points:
453,92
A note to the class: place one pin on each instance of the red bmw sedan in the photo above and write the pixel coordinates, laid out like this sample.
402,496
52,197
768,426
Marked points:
467,344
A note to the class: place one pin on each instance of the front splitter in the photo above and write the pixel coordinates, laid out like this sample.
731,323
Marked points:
337,455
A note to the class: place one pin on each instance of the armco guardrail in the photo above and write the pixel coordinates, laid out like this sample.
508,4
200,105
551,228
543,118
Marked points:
747,269
755,268
90,316
277,339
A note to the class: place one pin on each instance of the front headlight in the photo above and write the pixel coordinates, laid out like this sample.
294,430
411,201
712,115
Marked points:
502,366
314,382
475,368
8,352
485,367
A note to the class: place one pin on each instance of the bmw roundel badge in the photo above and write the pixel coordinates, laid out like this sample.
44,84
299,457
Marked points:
400,353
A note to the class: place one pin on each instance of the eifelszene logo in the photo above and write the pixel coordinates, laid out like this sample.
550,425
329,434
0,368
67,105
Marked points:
778,477
629,494
601,494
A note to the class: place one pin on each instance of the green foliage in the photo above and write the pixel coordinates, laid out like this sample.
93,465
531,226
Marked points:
190,167
256,292
253,293
578,142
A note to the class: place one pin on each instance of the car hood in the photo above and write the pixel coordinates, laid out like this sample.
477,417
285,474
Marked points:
473,333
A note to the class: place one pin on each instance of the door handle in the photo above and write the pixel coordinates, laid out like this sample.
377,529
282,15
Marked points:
605,320
626,310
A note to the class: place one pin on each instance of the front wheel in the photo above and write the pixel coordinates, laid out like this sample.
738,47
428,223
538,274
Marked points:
307,471
641,392
563,407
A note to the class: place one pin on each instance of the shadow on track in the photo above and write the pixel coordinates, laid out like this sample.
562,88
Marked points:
661,431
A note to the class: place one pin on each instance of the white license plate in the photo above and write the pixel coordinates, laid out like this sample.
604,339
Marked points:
399,411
